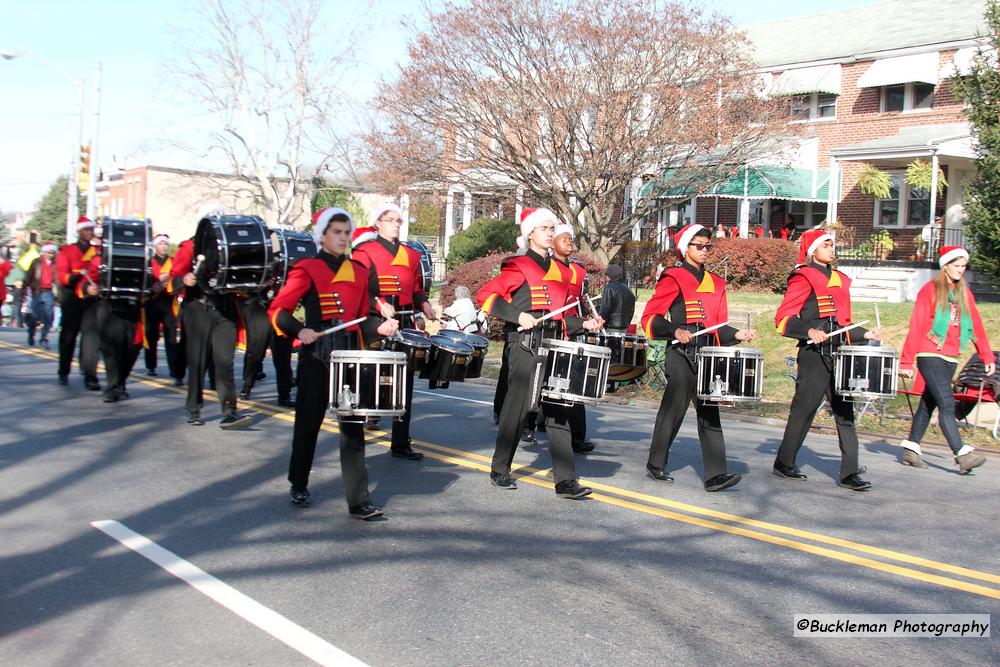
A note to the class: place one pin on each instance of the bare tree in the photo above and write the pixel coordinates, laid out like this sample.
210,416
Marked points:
267,76
572,101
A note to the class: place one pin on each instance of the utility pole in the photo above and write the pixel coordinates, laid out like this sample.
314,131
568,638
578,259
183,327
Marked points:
95,157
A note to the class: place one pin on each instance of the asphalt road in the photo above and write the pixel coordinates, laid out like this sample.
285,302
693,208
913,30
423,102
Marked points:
461,572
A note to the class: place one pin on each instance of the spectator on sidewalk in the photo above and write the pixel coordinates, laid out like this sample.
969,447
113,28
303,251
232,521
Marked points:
40,279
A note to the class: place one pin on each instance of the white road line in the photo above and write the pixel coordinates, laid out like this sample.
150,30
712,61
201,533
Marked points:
268,620
450,397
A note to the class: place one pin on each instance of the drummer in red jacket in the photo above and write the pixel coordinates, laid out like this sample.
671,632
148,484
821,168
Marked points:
944,321
528,287
77,266
689,298
332,289
817,302
396,289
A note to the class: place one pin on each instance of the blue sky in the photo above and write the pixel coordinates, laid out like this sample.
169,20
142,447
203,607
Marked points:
134,41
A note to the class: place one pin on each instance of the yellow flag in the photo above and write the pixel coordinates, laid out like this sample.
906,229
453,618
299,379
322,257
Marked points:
28,257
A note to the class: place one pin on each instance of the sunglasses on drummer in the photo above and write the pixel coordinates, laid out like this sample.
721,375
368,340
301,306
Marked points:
700,246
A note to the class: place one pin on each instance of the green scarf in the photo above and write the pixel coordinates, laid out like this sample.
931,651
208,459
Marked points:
942,319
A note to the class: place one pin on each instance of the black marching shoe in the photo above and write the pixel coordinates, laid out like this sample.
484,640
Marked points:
572,490
855,482
151,372
366,512
582,446
92,384
299,497
111,396
234,421
44,344
528,436
659,474
502,481
496,418
260,376
245,394
405,452
285,401
720,482
195,419
787,472
371,424
63,380
178,382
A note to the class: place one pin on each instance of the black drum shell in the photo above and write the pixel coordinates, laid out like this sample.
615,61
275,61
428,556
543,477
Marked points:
628,356
480,346
125,258
449,360
415,344
237,252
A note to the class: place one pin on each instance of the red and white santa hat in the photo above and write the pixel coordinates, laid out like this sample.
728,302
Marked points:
950,253
160,238
564,228
363,234
49,246
83,222
683,237
531,218
322,218
381,210
810,242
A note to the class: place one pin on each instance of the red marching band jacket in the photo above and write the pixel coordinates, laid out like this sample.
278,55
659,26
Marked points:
705,302
796,314
398,275
576,274
524,286
342,296
77,260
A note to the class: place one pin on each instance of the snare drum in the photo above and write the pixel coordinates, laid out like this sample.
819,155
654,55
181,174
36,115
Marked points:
448,361
628,356
125,257
479,345
591,338
288,246
416,345
730,375
574,372
237,251
367,383
865,372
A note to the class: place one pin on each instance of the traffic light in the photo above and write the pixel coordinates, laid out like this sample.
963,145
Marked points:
83,178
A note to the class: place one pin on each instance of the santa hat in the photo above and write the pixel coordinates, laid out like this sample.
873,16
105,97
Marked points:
531,218
321,220
363,234
950,253
48,246
83,222
564,228
161,238
683,237
381,210
810,242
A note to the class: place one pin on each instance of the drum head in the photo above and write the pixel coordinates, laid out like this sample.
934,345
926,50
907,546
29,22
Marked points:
414,338
467,338
451,345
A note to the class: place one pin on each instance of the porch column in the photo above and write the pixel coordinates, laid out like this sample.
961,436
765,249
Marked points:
934,186
833,192
518,204
449,217
694,209
744,218
467,209
404,204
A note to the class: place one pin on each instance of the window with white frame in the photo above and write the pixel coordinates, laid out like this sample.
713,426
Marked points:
463,146
813,106
806,214
907,97
905,205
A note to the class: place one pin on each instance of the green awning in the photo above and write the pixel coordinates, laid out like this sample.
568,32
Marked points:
751,182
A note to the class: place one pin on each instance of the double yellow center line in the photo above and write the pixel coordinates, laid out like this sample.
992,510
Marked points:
834,548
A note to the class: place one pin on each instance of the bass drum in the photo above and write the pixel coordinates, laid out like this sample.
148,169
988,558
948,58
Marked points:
426,264
237,252
125,256
288,247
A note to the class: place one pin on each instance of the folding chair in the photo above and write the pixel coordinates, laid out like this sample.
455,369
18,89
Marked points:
656,359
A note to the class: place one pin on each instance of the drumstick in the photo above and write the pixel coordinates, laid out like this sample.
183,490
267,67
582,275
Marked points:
842,330
593,309
552,314
340,327
878,320
704,331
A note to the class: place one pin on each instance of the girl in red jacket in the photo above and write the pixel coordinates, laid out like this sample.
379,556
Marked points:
945,320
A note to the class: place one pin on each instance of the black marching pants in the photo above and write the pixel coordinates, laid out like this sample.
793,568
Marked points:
210,331
79,318
159,311
514,411
677,396
312,400
281,357
258,330
117,325
814,381
401,425
501,391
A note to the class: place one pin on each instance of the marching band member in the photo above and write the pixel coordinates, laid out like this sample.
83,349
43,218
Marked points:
395,285
817,302
689,298
162,310
332,289
120,332
210,323
944,321
77,266
528,287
